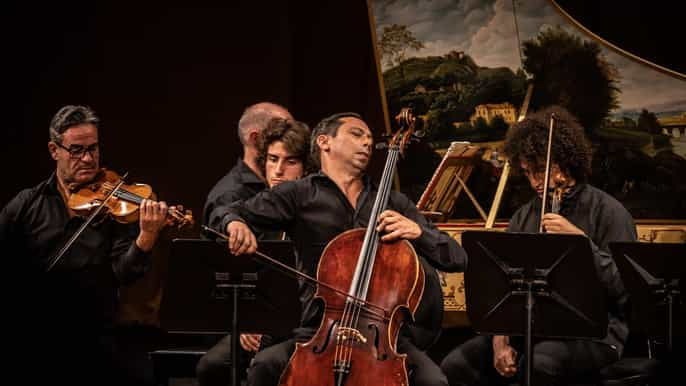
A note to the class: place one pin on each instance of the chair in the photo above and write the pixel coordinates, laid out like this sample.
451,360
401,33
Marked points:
175,363
179,355
630,371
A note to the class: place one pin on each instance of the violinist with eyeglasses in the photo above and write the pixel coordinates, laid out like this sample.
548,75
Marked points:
576,207
65,270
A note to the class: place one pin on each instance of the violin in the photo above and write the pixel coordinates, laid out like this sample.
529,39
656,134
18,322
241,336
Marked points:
119,201
108,196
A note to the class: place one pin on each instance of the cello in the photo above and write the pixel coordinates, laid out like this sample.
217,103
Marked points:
356,341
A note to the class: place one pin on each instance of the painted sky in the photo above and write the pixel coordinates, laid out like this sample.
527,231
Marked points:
485,30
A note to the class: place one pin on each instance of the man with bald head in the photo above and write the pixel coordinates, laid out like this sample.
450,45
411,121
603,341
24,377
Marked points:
244,180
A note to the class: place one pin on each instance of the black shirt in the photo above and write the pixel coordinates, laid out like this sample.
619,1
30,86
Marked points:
79,295
313,211
604,220
240,183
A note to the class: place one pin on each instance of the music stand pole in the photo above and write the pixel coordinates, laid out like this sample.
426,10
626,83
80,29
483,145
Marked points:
672,291
234,338
510,279
670,309
528,352
235,332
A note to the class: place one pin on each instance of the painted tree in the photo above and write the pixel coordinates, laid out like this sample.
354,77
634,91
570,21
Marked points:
572,73
648,122
395,42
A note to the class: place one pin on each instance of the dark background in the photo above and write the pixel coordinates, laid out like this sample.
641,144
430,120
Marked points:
652,30
170,82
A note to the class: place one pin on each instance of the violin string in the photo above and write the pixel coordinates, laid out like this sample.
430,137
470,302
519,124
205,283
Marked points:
137,199
53,260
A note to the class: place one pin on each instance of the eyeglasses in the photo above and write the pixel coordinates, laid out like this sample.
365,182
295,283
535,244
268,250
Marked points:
78,151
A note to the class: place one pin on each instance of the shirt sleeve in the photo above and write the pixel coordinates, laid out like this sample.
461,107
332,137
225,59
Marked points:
615,224
437,247
8,220
271,209
129,262
216,208
518,220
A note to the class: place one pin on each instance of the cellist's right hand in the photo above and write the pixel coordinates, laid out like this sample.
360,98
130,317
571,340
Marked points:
241,239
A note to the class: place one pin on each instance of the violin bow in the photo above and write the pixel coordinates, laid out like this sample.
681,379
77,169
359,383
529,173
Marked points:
53,261
310,280
547,171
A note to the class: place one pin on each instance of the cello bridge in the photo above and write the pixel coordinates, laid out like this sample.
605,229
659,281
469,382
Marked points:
348,333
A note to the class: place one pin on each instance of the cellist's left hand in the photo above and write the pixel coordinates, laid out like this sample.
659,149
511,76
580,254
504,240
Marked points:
396,226
554,223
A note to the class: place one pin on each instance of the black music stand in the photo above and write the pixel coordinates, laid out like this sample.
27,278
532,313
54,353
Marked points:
205,285
551,277
653,274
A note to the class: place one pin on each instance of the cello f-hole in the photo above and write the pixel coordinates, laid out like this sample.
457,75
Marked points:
318,350
379,353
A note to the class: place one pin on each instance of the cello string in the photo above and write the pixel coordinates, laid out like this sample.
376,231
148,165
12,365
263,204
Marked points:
382,197
371,244
368,264
351,311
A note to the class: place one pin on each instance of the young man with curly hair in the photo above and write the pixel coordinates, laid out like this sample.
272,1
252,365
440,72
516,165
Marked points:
281,154
283,151
584,210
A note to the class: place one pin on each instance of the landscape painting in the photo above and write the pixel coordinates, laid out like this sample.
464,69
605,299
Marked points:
465,66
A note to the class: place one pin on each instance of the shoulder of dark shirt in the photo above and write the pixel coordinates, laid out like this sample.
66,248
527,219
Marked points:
607,202
607,198
232,184
400,199
222,186
299,185
526,208
26,195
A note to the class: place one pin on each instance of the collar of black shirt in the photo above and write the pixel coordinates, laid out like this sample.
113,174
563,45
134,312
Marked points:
246,174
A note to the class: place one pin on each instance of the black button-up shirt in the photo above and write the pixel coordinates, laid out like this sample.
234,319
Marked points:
240,183
604,220
80,294
313,211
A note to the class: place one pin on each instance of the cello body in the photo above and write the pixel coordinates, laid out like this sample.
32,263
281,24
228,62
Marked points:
396,285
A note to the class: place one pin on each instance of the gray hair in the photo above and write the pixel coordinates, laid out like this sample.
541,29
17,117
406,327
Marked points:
70,116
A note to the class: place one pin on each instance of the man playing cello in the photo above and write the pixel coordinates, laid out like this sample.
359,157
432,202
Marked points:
319,207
